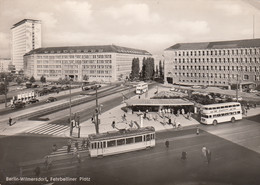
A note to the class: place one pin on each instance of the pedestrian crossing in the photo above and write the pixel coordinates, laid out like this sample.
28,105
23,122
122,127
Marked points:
48,129
64,150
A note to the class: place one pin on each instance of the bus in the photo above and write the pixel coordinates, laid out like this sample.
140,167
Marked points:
121,141
141,88
221,112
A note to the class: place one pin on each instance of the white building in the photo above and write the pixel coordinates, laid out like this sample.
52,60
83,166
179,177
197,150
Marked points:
219,63
4,62
105,63
26,36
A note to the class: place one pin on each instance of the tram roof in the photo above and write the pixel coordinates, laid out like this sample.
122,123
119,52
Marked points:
120,133
158,102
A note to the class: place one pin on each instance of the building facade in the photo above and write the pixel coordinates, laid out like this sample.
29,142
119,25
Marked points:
4,64
106,63
26,36
213,63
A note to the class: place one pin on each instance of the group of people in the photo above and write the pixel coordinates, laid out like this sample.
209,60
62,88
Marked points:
206,153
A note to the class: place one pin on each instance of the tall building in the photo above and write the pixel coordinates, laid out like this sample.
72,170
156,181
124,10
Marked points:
105,63
26,36
213,63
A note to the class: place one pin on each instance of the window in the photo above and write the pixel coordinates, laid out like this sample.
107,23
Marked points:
138,139
120,142
111,143
129,140
246,77
148,137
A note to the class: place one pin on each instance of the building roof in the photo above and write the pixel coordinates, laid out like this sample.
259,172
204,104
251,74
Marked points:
157,102
88,49
23,21
216,45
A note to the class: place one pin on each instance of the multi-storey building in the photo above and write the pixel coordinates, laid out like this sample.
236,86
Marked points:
99,63
26,36
4,63
213,63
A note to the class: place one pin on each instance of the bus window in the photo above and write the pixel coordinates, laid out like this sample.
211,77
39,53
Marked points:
120,142
129,140
214,108
218,107
238,112
230,106
138,139
222,107
210,116
210,108
206,108
148,137
92,145
226,106
104,144
111,143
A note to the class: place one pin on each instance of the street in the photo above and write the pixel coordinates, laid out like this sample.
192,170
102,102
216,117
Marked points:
231,163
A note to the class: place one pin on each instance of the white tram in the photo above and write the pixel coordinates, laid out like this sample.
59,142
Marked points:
122,141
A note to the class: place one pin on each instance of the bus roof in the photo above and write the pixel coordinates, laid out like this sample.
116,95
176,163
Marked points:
220,104
120,133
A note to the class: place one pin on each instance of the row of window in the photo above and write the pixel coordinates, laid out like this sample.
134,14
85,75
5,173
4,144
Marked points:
218,60
72,56
211,75
221,115
97,67
119,142
97,71
218,52
220,68
221,107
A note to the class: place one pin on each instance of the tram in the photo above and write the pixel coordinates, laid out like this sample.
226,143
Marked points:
121,141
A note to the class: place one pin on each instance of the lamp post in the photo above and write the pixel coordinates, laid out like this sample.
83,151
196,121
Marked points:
5,84
71,126
97,121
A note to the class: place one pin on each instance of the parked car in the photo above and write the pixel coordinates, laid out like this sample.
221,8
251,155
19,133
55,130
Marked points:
51,99
85,88
238,98
34,100
18,104
253,91
196,87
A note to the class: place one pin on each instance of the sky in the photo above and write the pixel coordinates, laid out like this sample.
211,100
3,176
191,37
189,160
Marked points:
152,25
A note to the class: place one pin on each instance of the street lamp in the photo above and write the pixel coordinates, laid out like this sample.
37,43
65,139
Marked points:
71,126
5,84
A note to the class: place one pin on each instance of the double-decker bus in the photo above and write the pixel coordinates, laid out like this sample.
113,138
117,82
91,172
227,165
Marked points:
121,141
141,88
221,112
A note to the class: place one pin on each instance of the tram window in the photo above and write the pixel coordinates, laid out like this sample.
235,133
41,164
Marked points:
111,143
129,140
95,145
148,137
226,106
92,145
121,142
100,144
138,139
104,144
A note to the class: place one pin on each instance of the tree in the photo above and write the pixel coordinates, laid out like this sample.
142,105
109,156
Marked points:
3,88
19,80
43,79
160,69
32,79
147,68
135,68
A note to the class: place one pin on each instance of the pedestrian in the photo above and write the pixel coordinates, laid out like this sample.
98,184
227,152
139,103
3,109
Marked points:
48,162
54,148
10,121
113,124
167,143
178,112
208,154
77,145
139,96
170,121
198,130
37,171
182,112
69,145
184,156
78,158
83,145
203,150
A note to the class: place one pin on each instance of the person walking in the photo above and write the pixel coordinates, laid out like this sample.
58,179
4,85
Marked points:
48,162
184,155
10,121
204,150
197,130
167,144
54,148
83,144
208,154
37,171
77,145
69,146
